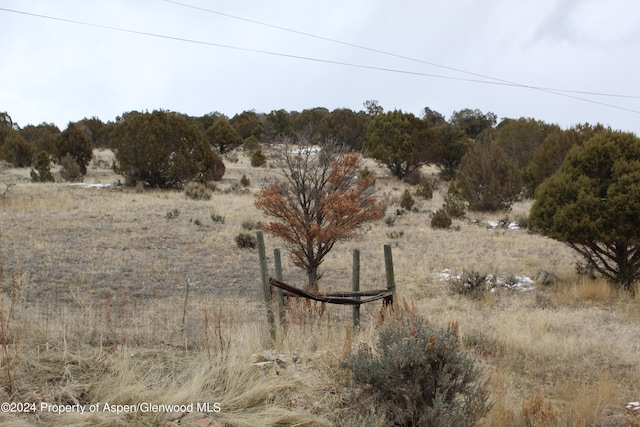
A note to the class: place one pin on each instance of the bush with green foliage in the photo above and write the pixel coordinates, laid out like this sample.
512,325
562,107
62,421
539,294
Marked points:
406,201
246,241
441,219
419,375
75,142
488,179
400,141
223,135
41,171
251,144
258,159
16,150
592,203
425,190
163,149
451,146
454,203
70,171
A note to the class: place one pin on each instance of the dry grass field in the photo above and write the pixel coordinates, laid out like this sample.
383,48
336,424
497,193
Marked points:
115,297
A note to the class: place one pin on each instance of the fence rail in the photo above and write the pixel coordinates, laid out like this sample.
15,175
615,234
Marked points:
355,298
344,298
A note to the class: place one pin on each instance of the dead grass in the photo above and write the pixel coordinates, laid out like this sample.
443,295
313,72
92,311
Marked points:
94,285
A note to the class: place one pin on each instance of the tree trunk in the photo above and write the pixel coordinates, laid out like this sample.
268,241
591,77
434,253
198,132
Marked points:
312,272
627,270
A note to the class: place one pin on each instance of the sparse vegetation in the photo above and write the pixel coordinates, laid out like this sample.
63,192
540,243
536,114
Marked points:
197,191
217,218
173,213
441,219
251,225
246,241
407,201
471,283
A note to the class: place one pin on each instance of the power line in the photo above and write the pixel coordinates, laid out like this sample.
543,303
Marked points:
357,46
306,58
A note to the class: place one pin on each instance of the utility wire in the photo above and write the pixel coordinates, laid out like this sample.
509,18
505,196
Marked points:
315,36
305,58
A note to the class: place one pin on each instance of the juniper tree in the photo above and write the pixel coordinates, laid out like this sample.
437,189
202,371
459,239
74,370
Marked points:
592,203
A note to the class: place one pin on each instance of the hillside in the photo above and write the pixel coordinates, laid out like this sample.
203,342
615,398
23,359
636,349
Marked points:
125,296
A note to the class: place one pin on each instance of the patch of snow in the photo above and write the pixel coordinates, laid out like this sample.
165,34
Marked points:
311,150
516,283
501,224
89,185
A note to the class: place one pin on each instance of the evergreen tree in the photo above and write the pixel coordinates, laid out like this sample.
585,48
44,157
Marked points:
592,203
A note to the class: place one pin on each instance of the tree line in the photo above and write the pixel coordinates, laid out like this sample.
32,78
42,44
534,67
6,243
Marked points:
493,163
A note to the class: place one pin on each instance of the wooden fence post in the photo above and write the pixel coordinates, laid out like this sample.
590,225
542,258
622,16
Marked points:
266,286
355,287
388,267
279,292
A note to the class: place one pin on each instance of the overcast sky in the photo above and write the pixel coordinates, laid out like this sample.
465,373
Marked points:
292,54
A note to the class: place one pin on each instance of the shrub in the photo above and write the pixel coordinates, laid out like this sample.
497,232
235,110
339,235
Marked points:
244,181
173,213
75,142
522,221
41,171
407,201
419,375
473,284
70,170
441,219
251,225
251,144
425,190
258,159
488,178
197,191
163,149
217,218
395,234
413,177
454,203
367,173
16,150
390,220
246,241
